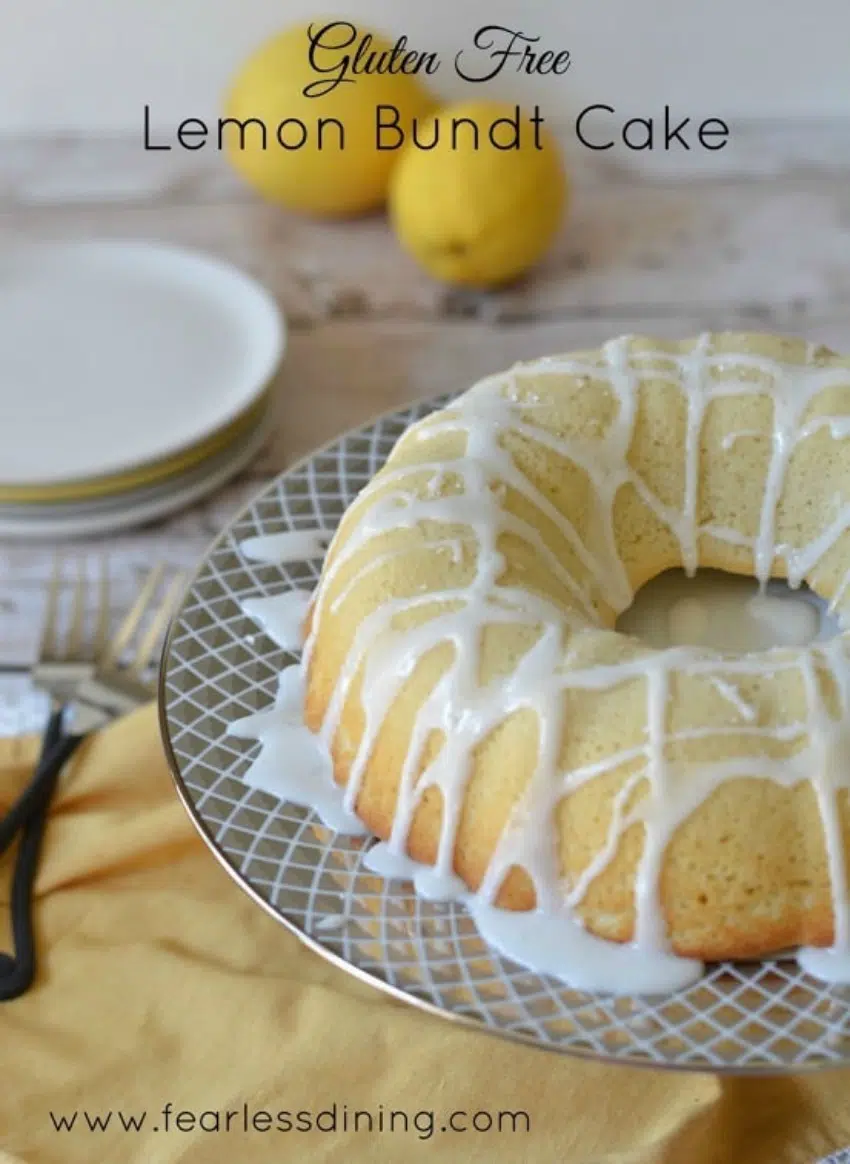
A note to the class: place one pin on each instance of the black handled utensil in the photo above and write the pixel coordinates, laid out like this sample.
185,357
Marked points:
27,820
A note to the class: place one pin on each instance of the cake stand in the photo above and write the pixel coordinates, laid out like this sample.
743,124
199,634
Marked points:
761,1018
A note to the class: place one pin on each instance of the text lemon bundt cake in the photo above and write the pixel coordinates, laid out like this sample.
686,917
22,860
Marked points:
484,717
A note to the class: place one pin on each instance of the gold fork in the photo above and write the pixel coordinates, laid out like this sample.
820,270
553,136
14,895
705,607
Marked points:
87,687
64,661
115,686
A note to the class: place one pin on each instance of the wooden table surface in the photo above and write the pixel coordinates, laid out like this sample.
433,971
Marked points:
758,238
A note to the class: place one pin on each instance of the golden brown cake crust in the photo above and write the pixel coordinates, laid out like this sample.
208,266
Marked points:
745,870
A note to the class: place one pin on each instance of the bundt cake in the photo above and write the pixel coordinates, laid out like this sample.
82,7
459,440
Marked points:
485,717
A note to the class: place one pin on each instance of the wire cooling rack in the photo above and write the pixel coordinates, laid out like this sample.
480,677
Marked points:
766,1017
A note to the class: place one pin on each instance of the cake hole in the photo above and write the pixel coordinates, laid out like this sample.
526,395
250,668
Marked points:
727,612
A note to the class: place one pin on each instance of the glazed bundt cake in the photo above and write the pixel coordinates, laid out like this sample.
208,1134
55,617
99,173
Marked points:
485,717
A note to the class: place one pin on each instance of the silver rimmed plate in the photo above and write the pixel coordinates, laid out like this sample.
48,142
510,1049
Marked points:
767,1017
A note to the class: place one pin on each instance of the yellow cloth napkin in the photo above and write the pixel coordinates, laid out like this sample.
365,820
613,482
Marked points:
162,983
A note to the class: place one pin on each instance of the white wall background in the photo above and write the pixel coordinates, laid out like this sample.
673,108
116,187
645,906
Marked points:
91,65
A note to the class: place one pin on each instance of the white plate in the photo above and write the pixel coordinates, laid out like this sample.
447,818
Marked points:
116,354
136,507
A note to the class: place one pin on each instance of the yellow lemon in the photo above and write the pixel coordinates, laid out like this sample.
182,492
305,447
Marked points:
479,193
319,153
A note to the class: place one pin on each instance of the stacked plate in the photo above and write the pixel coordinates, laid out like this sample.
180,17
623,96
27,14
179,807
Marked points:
134,380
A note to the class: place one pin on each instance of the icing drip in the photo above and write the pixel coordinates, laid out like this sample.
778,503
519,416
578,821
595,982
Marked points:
331,921
433,886
297,545
731,438
281,617
558,945
291,764
650,933
788,407
731,693
694,381
548,943
470,491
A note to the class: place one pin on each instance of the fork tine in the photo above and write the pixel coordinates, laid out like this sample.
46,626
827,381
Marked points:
74,641
101,638
147,648
130,624
47,648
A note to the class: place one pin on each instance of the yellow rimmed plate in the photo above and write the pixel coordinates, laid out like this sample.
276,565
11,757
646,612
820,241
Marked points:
100,515
124,364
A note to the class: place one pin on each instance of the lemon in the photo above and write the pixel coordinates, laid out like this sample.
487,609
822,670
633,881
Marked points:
472,213
320,170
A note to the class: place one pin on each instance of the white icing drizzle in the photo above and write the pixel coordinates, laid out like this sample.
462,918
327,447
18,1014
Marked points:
548,943
292,764
558,945
331,921
296,545
731,693
731,438
382,860
281,617
466,713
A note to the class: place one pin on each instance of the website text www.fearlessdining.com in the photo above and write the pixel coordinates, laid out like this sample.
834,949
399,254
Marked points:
170,1118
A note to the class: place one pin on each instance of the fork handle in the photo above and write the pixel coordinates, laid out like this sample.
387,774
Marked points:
17,971
57,750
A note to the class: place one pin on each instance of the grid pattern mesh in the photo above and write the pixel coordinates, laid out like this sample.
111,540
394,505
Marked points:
767,1016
